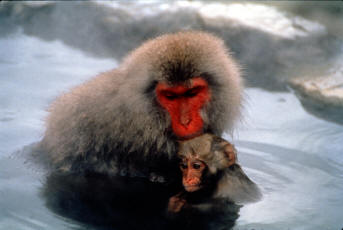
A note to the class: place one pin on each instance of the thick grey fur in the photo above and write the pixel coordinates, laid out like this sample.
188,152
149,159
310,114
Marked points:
114,123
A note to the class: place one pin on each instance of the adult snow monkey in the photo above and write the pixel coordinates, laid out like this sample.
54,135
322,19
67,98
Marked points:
128,121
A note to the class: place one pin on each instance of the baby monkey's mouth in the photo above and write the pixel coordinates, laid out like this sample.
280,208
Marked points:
192,188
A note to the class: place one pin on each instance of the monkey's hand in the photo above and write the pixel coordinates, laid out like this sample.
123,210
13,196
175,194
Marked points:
231,153
153,177
176,203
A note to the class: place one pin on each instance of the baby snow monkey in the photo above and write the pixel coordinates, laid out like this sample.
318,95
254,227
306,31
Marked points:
210,174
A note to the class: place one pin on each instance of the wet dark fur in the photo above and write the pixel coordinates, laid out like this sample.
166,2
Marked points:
122,203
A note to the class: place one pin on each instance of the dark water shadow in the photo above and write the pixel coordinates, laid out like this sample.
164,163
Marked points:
125,203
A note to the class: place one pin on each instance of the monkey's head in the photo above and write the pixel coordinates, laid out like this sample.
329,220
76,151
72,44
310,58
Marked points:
194,83
203,157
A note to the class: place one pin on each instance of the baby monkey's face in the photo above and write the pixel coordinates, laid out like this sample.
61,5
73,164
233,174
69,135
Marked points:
203,157
192,172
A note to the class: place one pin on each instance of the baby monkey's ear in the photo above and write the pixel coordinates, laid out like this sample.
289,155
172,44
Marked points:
231,154
224,155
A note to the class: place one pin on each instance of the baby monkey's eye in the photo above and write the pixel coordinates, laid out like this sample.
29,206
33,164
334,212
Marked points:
196,165
183,165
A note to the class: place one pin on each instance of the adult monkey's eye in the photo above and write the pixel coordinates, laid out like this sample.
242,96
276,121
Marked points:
196,165
170,96
192,92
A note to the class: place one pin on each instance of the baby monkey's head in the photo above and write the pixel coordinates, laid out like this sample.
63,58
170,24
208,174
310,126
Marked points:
202,158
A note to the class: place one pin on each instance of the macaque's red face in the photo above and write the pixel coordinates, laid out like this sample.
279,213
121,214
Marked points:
184,104
192,171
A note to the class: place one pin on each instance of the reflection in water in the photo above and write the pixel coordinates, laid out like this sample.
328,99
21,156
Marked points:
126,203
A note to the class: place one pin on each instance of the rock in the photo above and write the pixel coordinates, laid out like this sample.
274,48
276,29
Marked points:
322,96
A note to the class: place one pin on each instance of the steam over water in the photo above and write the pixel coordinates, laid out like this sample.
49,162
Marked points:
294,157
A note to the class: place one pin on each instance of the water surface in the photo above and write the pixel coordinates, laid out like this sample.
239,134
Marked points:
294,157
